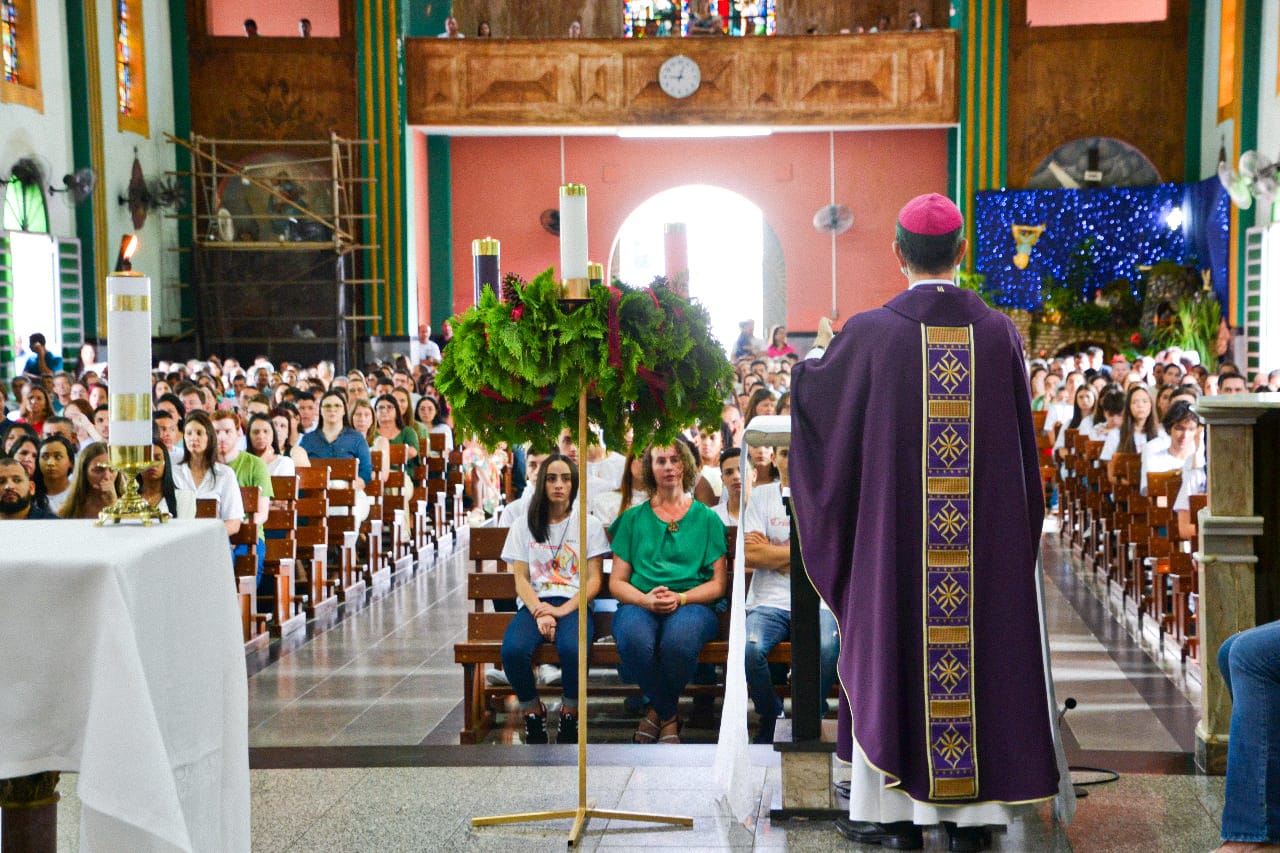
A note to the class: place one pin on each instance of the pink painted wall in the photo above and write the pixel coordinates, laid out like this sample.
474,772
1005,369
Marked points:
1067,13
500,185
275,18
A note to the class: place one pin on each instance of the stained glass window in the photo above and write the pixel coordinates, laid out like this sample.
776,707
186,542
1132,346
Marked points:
20,54
131,84
124,71
665,18
9,39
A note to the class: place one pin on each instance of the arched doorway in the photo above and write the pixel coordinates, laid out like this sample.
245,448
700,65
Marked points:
736,269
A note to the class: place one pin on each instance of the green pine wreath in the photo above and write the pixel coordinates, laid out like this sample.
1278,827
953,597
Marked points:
646,357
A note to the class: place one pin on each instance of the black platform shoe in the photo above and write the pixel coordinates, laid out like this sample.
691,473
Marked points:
967,839
902,835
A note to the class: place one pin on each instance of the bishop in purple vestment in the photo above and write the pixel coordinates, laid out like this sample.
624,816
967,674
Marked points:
916,487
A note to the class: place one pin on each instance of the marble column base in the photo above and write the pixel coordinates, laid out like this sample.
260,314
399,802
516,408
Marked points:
29,813
1211,752
806,780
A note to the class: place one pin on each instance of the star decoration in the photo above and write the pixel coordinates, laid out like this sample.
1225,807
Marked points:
951,746
948,446
949,522
949,372
949,671
948,595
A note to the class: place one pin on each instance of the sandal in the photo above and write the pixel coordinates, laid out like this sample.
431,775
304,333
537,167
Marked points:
648,731
670,732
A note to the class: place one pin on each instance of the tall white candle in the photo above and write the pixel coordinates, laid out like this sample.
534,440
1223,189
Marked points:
129,358
573,231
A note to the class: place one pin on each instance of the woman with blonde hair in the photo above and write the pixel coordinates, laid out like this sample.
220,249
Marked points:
95,485
669,576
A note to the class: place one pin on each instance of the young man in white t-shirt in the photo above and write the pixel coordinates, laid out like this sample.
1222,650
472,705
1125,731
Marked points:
767,543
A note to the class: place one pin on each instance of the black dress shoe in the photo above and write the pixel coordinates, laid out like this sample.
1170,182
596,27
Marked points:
902,835
968,839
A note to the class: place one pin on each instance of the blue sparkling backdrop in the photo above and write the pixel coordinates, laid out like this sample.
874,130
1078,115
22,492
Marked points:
1130,229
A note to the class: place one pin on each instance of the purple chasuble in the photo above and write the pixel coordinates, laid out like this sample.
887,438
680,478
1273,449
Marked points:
916,485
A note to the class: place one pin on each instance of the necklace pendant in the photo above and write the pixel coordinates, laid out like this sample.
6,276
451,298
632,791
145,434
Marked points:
673,526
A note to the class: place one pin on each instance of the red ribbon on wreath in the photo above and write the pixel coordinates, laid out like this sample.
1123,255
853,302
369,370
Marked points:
493,395
658,305
537,414
657,385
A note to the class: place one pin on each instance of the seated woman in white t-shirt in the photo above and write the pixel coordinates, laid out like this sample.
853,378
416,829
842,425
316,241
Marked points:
200,472
1182,425
1137,428
1082,415
264,442
546,556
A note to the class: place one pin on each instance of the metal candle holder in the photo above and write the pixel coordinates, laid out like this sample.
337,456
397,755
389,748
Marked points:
131,506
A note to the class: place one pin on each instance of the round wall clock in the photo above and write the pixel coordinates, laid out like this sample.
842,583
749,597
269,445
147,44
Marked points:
679,76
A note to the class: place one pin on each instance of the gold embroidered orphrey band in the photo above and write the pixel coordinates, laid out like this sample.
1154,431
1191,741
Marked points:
948,561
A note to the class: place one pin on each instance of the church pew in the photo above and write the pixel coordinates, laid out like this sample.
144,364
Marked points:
341,525
312,537
1162,488
392,509
486,626
282,556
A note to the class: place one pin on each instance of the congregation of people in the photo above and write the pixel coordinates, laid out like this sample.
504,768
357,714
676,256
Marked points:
658,516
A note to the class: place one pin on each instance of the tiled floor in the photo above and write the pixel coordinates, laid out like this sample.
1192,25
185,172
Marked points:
359,724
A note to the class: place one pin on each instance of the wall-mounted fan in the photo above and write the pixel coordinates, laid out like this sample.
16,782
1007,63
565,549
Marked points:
78,187
1256,178
833,219
549,219
144,196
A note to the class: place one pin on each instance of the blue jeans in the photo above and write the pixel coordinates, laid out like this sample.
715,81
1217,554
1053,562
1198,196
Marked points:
522,640
1250,664
661,651
768,626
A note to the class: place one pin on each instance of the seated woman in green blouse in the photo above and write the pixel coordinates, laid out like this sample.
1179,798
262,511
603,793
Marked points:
389,428
669,576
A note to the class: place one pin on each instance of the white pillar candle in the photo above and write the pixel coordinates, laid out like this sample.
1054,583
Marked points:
129,358
573,231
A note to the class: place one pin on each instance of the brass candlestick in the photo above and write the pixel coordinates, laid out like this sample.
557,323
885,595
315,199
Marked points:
131,506
575,289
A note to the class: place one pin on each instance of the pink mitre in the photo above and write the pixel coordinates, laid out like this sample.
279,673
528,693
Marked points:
930,215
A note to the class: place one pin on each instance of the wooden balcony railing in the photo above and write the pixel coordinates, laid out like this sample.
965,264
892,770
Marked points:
888,79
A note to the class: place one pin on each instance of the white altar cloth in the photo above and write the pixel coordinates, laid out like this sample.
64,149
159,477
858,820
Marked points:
123,661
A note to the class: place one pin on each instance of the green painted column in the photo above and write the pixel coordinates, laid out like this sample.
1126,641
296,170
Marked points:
440,228
1195,88
181,67
380,84
427,21
82,155
1249,69
978,147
